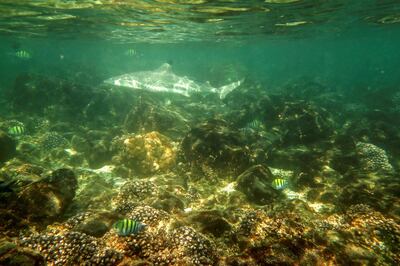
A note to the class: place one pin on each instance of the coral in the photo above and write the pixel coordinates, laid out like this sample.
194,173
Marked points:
363,235
72,248
163,241
208,200
52,140
132,193
373,158
148,153
272,239
148,215
197,249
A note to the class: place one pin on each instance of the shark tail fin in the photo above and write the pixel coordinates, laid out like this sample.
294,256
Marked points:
226,89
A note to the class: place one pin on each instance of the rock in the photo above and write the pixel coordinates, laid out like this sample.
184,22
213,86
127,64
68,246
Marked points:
80,144
94,192
306,158
255,183
7,147
304,123
47,199
94,223
6,246
50,96
93,228
167,201
215,145
10,223
11,254
65,182
100,154
149,116
211,222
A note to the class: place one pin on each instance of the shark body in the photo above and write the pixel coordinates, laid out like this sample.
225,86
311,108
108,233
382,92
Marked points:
163,79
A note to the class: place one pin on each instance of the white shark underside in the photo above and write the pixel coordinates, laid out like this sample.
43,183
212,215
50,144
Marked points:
164,80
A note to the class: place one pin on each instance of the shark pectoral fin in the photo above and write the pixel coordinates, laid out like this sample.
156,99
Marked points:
226,89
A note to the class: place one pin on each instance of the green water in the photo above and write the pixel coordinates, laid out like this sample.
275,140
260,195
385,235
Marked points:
298,165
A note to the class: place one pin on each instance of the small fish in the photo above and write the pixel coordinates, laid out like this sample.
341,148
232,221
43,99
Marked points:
17,130
127,227
255,124
23,54
246,131
131,52
279,183
252,127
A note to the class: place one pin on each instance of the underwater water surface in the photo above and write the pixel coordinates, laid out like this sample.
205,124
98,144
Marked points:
196,132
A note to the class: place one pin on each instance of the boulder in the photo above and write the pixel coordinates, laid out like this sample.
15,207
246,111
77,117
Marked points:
256,184
7,147
47,199
11,254
213,144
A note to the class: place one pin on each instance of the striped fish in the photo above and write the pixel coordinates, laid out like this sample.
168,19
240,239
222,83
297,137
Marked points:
131,52
127,227
255,124
16,130
23,54
279,183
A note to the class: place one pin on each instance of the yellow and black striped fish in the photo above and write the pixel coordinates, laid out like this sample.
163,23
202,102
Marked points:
255,124
23,54
279,183
127,227
16,130
131,52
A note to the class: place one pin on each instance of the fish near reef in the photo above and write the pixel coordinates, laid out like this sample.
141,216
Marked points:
126,227
279,183
131,52
23,54
17,130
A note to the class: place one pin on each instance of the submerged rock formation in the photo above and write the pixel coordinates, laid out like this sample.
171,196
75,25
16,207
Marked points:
7,147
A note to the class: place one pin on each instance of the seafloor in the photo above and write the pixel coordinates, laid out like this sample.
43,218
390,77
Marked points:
198,172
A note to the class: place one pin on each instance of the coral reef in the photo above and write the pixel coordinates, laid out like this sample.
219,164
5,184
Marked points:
69,247
198,173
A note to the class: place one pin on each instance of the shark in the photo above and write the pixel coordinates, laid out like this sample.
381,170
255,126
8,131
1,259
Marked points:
163,79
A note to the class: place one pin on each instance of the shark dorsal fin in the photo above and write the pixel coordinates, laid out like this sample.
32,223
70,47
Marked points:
165,67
